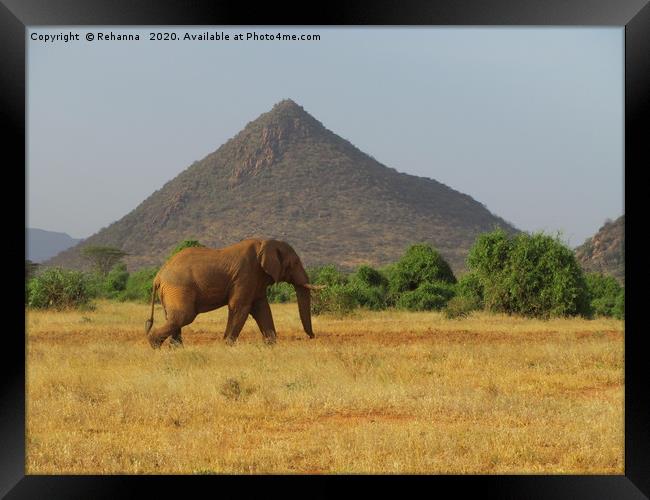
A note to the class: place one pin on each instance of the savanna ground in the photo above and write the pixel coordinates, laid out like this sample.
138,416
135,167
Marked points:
376,392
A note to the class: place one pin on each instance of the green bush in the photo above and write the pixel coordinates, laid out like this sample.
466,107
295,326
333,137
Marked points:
460,307
326,275
372,297
59,289
31,269
281,292
116,280
426,297
533,275
606,295
139,285
369,288
619,307
369,276
335,299
419,265
96,284
110,286
470,289
490,253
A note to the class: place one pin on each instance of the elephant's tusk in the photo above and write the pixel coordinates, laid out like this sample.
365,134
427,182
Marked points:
314,287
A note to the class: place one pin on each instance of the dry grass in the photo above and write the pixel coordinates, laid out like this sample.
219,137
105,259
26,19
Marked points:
387,392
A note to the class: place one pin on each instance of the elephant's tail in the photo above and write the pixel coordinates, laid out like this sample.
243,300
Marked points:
149,323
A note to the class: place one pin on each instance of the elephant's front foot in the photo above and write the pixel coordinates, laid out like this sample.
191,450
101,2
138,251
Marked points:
269,337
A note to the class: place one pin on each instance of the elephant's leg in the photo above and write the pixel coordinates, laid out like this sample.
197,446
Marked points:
158,335
237,315
176,319
261,311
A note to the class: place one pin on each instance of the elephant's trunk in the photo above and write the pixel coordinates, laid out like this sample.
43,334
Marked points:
304,307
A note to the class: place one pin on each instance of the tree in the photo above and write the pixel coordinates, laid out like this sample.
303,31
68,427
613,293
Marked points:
369,287
116,279
139,285
533,275
419,265
606,295
102,258
421,280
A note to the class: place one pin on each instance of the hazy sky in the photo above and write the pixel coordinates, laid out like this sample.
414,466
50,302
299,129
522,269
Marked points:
528,121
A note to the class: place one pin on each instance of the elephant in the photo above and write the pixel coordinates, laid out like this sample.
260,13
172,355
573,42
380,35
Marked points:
201,279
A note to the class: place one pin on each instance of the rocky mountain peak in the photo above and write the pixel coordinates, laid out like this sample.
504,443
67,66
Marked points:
264,141
286,176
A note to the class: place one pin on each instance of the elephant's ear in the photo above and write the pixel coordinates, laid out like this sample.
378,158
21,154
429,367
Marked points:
269,258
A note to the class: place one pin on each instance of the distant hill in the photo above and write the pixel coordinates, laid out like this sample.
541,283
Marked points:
286,176
605,251
42,245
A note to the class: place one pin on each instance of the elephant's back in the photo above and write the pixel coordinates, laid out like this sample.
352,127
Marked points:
187,263
193,255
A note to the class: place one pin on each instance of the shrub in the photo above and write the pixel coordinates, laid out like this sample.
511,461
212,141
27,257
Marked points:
326,275
369,288
281,292
490,253
533,275
372,297
30,271
419,265
139,285
619,307
96,284
116,279
470,289
428,296
59,289
336,299
369,276
606,295
460,307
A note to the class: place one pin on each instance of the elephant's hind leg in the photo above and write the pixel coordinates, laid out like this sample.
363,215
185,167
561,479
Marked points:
177,316
172,328
158,335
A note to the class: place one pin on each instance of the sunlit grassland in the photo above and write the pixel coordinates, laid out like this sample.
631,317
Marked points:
375,392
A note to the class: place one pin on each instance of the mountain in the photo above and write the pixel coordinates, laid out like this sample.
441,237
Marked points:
288,177
41,244
605,251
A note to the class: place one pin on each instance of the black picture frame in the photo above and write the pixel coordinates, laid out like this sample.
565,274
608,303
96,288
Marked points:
633,15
